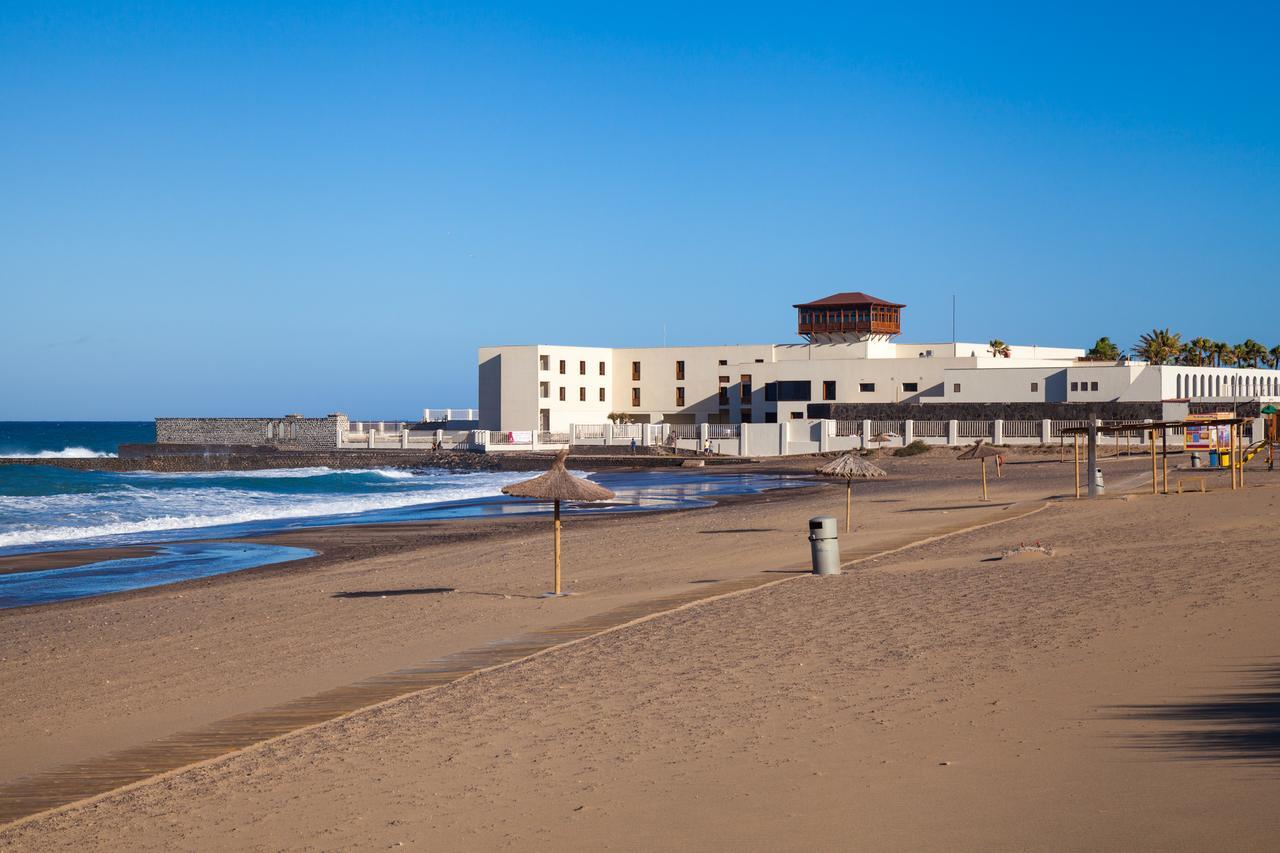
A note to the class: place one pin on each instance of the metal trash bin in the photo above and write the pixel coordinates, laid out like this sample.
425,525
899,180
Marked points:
1099,482
1195,460
825,544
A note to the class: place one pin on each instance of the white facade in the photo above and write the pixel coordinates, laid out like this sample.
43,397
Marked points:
549,387
1090,382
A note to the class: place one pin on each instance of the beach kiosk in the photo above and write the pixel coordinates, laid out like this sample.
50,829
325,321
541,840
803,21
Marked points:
1210,434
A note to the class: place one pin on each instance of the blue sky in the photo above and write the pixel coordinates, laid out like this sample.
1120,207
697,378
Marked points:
265,208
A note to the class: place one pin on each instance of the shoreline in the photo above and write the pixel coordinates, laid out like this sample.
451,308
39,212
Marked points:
348,541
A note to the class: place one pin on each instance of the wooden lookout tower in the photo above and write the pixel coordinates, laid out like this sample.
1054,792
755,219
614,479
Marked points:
849,317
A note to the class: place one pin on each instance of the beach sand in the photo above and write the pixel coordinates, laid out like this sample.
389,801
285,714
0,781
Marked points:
936,698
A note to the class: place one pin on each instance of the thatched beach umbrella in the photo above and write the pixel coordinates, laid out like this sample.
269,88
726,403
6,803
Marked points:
881,437
983,452
849,468
558,485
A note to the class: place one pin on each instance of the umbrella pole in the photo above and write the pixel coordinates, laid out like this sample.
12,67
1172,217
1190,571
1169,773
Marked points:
557,527
984,478
848,507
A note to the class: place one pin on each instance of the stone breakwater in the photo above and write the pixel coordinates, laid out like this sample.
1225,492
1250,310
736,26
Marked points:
188,457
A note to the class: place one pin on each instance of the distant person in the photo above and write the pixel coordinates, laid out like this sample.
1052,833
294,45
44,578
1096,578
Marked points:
633,445
706,447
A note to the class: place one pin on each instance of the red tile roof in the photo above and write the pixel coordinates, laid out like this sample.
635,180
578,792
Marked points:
857,297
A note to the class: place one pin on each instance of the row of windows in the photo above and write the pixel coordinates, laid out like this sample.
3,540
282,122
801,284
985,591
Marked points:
1217,385
544,391
544,363
1077,386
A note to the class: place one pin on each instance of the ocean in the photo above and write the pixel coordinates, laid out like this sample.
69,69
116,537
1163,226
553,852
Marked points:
48,508
71,439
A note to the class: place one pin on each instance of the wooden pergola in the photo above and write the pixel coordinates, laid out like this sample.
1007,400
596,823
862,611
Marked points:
1159,471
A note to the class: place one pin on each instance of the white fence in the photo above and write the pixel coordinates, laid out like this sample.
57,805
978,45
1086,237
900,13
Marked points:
752,439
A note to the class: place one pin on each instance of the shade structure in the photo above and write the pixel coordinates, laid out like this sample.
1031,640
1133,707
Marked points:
558,485
881,437
983,452
849,468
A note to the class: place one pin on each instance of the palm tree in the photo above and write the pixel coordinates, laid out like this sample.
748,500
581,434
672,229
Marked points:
1159,346
1221,353
1273,357
1202,348
1252,352
1103,350
999,349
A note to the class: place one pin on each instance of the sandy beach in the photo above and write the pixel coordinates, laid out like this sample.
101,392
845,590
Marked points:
1110,695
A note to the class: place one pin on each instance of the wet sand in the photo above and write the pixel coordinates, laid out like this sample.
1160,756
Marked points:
13,563
815,713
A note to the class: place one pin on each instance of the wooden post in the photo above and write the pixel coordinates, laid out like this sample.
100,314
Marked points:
1244,452
1155,481
557,525
1231,445
848,506
1164,457
1076,444
984,478
1000,467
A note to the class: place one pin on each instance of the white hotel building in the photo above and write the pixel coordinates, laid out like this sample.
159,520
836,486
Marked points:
849,358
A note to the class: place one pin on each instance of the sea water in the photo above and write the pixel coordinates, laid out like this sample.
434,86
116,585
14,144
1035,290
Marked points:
48,508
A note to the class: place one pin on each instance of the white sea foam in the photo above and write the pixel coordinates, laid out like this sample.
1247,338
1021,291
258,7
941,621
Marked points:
264,473
65,453
140,510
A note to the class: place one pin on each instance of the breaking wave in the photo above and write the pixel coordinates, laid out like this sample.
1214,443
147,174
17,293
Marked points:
64,453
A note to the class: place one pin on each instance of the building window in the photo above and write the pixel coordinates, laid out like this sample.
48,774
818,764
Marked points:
562,393
601,395
679,395
562,365
724,380
828,389
635,371
679,370
582,368
544,362
635,397
795,416
1093,386
544,390
602,368
867,387
956,387
746,416
910,387
582,395
744,390
771,417
1035,386
1075,386
722,362
759,361
724,396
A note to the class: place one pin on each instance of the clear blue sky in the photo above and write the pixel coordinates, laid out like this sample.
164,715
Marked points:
259,208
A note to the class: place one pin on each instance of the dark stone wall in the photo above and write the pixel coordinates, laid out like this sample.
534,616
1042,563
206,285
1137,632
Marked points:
317,433
175,458
986,411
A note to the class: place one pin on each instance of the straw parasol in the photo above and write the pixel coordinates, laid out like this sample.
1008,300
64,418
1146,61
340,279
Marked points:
849,468
881,437
558,485
983,452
